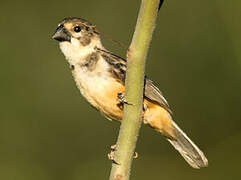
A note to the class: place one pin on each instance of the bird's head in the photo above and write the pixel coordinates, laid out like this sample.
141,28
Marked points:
77,38
75,29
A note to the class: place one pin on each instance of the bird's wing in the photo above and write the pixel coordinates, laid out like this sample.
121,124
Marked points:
151,92
154,94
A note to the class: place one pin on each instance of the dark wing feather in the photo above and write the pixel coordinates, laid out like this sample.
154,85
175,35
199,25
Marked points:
154,94
118,64
118,70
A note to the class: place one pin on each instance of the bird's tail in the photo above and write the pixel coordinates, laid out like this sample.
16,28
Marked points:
189,151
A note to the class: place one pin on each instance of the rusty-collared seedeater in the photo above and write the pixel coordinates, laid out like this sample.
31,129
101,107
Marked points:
100,76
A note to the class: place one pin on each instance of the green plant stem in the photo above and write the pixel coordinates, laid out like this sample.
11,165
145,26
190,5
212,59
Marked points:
132,115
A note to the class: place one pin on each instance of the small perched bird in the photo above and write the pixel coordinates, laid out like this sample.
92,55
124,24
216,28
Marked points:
100,76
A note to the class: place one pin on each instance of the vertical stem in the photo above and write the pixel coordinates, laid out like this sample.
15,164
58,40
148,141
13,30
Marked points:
134,83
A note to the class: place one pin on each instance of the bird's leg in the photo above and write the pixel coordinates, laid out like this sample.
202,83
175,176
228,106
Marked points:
121,98
112,154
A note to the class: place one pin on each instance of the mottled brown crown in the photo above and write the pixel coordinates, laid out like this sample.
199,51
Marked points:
77,20
71,22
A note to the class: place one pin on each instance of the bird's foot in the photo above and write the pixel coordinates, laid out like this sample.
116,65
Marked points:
112,154
122,100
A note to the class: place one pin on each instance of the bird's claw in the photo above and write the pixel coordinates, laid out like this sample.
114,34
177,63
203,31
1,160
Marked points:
122,100
112,154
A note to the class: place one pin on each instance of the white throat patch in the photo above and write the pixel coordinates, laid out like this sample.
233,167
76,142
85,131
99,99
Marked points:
74,51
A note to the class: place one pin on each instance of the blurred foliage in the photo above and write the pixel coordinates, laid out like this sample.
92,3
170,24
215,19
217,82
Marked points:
48,131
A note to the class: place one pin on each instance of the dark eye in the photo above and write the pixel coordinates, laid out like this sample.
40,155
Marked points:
61,26
77,29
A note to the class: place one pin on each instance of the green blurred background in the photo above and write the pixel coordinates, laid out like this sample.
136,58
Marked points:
49,132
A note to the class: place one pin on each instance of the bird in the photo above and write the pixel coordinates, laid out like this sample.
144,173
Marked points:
100,76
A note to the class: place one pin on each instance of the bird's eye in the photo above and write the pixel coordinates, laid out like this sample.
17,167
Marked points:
61,26
77,29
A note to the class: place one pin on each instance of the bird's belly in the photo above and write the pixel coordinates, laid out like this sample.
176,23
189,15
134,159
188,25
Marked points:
101,92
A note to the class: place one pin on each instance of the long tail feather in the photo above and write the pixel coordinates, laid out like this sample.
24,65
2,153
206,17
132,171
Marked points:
189,151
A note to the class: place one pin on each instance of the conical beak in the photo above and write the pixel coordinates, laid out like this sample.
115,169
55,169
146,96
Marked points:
61,34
